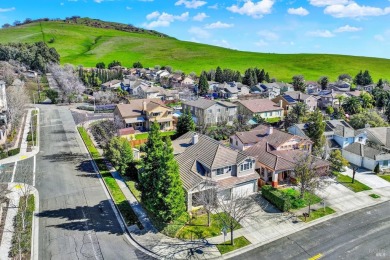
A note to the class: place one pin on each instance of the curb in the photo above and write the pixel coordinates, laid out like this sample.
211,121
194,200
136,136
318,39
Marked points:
311,224
117,212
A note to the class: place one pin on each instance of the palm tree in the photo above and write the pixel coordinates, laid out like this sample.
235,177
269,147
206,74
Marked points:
340,98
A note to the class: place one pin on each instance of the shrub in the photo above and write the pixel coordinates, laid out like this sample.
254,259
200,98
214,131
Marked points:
280,200
10,153
377,170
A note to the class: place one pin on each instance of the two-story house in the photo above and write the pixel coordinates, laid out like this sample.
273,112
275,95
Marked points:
202,159
265,108
141,113
211,112
290,98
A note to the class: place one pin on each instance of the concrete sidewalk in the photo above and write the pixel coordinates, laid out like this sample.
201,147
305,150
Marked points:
24,154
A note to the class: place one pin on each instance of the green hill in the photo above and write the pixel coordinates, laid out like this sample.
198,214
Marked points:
81,44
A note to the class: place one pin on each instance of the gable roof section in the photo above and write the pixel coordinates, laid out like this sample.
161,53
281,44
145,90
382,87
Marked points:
135,107
201,103
260,105
366,151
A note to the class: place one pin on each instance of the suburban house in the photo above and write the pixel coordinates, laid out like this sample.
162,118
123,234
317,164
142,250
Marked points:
328,98
141,113
203,160
276,154
340,86
227,90
211,112
243,140
366,156
339,133
265,108
376,136
112,84
312,87
290,98
187,81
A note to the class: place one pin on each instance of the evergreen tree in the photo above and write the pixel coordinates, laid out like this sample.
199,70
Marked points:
249,78
299,83
185,123
203,84
367,79
219,75
161,188
358,80
337,160
262,77
323,81
238,77
120,153
266,78
315,130
380,83
100,65
137,65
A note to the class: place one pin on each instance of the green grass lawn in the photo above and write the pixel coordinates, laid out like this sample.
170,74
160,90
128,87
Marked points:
347,182
296,201
198,227
82,45
238,243
385,177
318,214
118,197
132,185
146,135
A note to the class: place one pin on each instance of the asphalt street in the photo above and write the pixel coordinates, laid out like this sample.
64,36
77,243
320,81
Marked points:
363,234
76,220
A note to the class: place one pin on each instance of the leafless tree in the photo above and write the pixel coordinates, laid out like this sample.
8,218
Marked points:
207,198
7,72
17,100
70,85
105,97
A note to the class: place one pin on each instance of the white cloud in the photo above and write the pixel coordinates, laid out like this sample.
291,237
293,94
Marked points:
321,33
253,9
268,35
4,10
298,11
128,8
347,28
98,1
153,15
328,2
61,3
164,19
379,38
222,43
193,4
200,17
199,33
353,10
261,43
218,25
213,6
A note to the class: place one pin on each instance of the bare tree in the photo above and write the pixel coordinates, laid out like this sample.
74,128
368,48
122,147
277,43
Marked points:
70,85
207,198
17,100
105,97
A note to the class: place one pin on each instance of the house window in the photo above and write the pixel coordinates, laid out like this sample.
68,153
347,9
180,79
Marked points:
231,140
229,168
246,166
360,139
385,163
210,110
219,110
155,114
220,171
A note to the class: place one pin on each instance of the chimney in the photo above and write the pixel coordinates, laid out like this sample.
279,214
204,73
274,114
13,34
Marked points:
195,139
280,103
270,130
144,105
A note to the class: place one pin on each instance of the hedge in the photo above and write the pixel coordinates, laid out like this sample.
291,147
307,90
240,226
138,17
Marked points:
10,153
276,197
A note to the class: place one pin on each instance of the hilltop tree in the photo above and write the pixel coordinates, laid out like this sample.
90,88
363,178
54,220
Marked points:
114,63
299,83
237,77
100,65
161,187
185,123
315,131
137,65
323,81
203,84
363,79
250,78
218,75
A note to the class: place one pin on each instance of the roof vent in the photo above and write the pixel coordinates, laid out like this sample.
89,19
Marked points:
270,130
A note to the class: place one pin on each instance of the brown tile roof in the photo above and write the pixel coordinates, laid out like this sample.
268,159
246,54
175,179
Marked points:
207,152
232,181
135,107
260,105
297,95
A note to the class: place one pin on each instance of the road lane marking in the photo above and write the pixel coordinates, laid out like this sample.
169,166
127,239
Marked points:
34,169
316,257
14,171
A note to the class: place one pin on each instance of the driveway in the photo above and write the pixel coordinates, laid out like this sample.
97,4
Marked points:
368,177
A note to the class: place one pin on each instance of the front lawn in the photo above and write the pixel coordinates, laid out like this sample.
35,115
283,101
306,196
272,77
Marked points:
347,182
198,228
385,177
132,185
146,135
238,243
318,214
375,196
296,201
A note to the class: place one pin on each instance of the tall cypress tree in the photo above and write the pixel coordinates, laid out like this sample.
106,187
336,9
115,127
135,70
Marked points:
203,84
219,75
185,123
161,188
315,131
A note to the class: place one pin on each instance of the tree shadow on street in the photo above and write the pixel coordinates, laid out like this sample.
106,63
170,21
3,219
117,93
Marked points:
65,157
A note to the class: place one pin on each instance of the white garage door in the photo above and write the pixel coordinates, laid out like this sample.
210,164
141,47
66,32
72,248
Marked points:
244,189
352,158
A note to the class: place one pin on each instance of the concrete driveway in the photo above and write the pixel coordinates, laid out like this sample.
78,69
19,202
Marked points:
368,177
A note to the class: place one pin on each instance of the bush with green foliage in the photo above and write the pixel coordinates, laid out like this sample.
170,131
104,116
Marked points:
280,200
338,161
185,123
52,95
377,169
114,63
11,152
120,153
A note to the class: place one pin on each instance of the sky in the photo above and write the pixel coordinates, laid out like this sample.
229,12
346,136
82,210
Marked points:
352,27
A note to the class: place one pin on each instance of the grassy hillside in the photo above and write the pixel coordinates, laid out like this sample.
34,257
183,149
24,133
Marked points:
80,44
